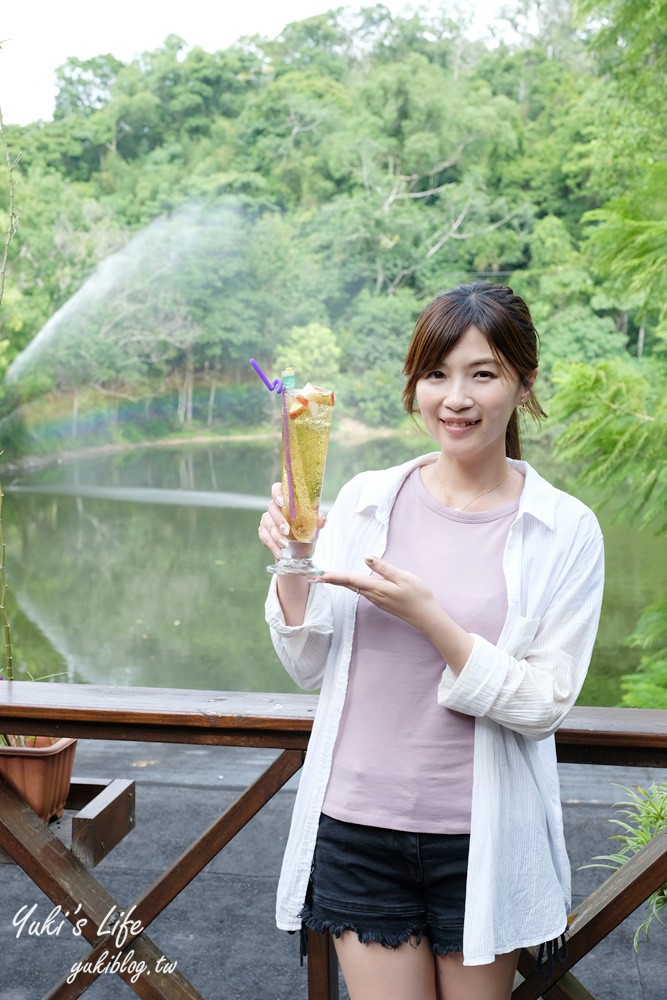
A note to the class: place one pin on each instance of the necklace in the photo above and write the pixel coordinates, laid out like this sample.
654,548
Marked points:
470,502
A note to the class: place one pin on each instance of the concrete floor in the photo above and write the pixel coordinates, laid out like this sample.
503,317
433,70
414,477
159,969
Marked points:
220,930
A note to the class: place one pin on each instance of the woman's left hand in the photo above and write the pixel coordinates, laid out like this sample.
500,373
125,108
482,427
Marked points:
392,590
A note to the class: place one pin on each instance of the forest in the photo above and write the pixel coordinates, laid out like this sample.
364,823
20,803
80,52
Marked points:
303,197
299,199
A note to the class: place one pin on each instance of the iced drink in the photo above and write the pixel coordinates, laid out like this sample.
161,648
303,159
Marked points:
307,416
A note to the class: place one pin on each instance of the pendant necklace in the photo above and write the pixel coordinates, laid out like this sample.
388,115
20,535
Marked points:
470,502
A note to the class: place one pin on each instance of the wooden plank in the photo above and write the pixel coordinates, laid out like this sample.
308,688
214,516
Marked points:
631,736
618,896
160,707
191,862
322,967
624,736
104,822
591,724
615,756
218,835
90,841
568,988
81,792
84,790
68,883
601,912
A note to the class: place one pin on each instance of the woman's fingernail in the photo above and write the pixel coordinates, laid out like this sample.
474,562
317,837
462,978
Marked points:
279,501
284,542
285,529
370,560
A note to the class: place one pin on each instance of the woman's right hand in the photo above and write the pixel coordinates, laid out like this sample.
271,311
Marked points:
273,528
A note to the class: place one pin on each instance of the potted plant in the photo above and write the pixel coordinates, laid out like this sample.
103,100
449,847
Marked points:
39,768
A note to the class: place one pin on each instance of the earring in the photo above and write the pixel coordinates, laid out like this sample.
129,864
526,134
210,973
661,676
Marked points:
523,405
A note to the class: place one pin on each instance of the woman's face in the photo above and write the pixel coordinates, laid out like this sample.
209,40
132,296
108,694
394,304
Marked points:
467,401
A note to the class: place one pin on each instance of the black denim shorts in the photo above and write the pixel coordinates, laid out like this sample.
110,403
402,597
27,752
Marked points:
388,886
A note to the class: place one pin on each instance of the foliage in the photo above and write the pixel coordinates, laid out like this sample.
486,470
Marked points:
310,349
648,685
646,815
632,32
628,245
188,209
615,432
377,397
7,659
617,412
557,281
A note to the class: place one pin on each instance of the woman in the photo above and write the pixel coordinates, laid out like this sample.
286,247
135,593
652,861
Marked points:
449,636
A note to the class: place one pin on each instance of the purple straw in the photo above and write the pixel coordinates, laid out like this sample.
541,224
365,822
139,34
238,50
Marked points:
288,459
277,383
278,386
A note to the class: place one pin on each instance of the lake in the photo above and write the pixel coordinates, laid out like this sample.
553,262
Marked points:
144,567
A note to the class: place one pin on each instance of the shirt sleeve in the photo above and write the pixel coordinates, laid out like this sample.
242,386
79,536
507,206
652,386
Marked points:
532,691
302,649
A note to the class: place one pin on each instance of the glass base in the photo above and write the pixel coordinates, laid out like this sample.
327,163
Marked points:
295,567
297,560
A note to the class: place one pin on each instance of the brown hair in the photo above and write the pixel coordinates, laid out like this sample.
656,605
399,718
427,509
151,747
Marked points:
505,321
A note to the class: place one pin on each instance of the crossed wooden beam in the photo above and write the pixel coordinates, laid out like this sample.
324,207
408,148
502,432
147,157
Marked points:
595,918
124,947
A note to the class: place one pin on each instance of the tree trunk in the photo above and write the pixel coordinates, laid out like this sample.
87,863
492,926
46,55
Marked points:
188,386
75,412
186,390
640,341
211,401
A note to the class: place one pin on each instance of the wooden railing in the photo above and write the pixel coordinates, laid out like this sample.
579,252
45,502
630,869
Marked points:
634,737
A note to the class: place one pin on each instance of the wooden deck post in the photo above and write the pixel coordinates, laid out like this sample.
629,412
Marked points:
322,967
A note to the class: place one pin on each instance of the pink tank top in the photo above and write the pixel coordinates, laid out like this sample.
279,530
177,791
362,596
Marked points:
401,761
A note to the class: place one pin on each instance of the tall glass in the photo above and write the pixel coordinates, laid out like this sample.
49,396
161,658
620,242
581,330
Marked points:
307,417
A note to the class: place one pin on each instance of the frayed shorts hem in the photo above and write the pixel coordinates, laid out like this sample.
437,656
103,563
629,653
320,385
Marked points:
413,934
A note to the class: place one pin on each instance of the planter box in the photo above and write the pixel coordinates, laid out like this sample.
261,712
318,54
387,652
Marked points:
41,774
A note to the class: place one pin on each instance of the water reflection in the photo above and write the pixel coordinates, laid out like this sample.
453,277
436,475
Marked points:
118,576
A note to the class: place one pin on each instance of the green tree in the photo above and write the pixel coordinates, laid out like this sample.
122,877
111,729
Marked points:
313,352
631,34
627,244
60,239
282,129
85,85
374,336
627,236
615,432
563,293
371,160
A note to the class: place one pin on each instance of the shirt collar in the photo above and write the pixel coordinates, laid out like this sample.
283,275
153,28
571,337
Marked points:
380,489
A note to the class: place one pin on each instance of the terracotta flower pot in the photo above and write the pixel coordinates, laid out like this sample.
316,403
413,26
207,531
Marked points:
41,774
